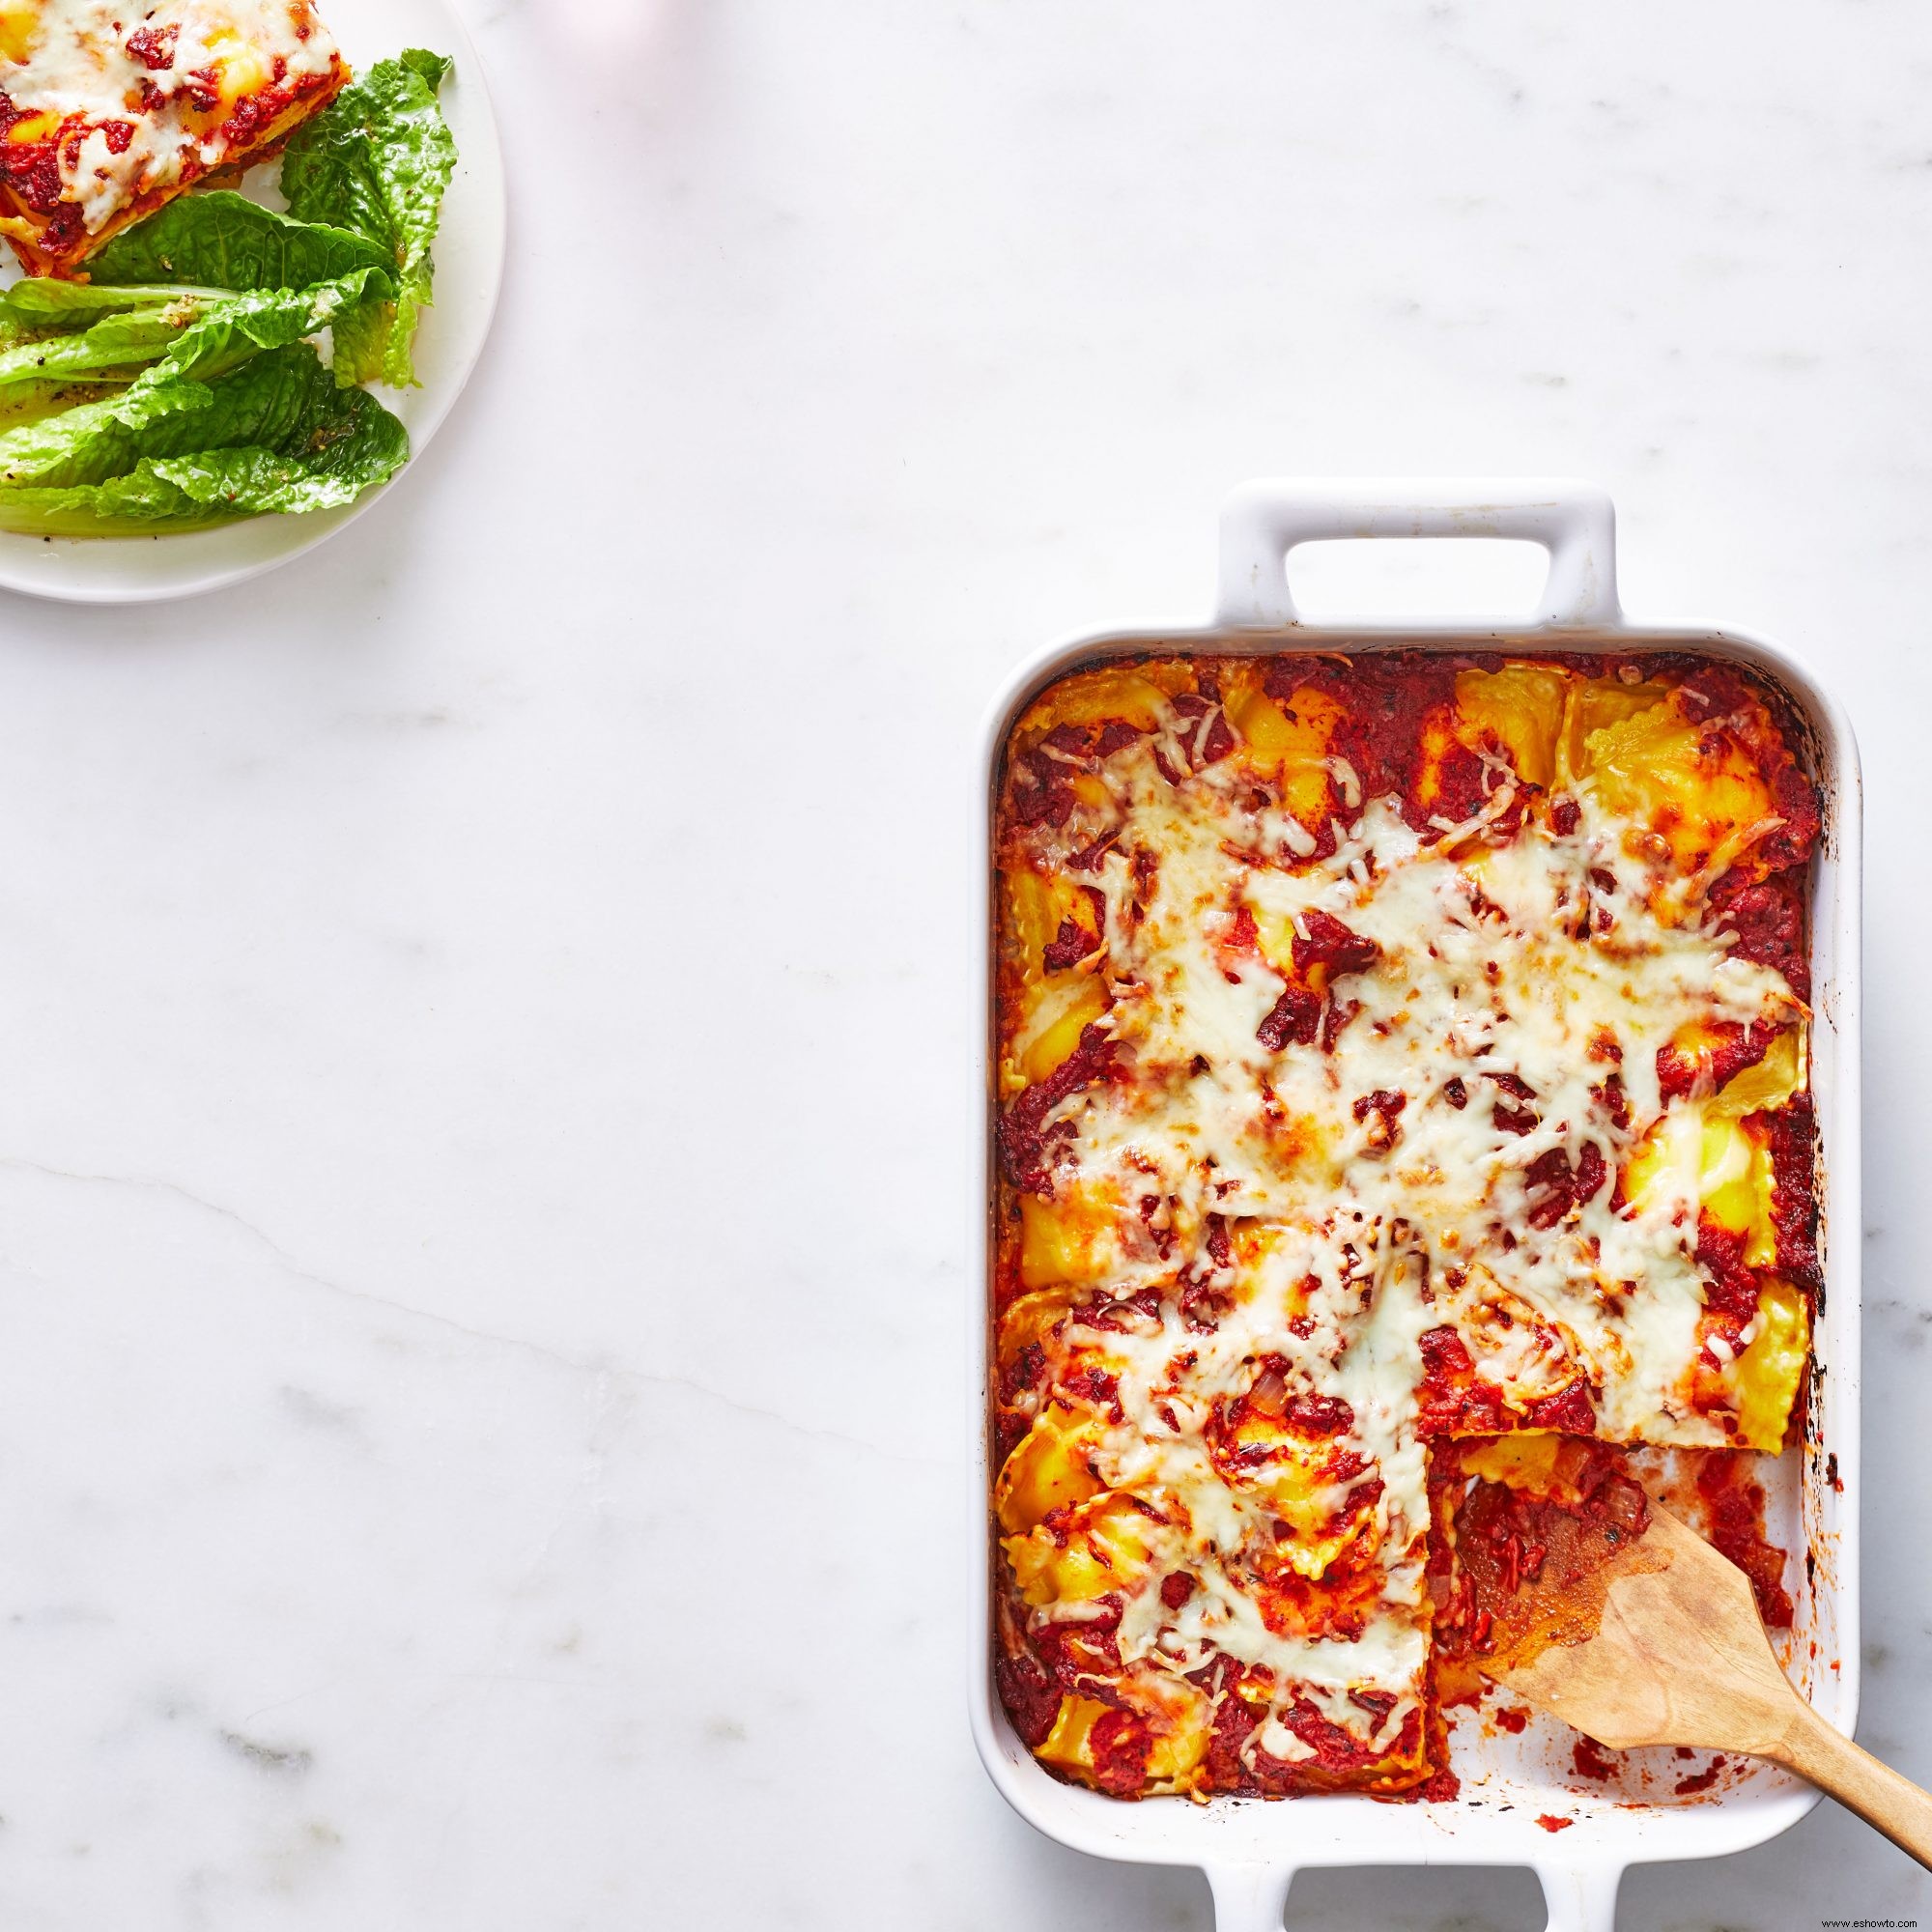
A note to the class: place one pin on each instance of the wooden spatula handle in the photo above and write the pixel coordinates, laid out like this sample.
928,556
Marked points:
1894,1804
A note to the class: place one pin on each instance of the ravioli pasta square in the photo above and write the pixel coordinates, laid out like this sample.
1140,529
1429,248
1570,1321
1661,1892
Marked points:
108,110
1397,1057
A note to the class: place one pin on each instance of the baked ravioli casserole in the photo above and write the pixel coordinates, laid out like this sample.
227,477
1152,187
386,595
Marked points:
1403,1087
109,108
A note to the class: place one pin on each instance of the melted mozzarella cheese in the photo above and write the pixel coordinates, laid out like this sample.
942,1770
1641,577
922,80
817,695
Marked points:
1355,1340
1507,961
1482,978
68,60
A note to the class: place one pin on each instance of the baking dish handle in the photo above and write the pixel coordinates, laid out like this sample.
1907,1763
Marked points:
1253,1898
1250,1898
1581,1898
1264,521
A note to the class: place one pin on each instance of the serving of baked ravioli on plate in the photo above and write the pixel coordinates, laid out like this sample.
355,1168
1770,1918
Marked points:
1403,1067
108,109
181,354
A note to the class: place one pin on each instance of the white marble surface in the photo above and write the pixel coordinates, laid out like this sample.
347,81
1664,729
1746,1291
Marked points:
482,1123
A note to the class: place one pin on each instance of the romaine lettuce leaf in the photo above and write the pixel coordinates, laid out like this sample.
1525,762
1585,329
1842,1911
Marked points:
112,332
98,343
224,240
101,440
361,335
242,325
47,304
34,402
277,433
377,162
165,412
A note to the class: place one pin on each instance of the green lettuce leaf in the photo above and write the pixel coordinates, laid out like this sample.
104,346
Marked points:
98,343
164,413
276,434
224,240
240,326
362,334
34,313
45,303
34,402
377,162
102,334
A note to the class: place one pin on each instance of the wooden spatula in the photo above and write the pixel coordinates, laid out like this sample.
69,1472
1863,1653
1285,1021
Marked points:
1660,1644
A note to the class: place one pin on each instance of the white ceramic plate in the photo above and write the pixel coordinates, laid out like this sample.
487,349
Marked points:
468,273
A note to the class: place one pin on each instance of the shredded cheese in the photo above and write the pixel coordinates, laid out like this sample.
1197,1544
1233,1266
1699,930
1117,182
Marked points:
1474,1138
142,90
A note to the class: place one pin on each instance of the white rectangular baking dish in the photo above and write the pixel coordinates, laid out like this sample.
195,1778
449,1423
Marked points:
1251,1849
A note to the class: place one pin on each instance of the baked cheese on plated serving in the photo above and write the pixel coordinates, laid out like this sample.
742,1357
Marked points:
108,110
